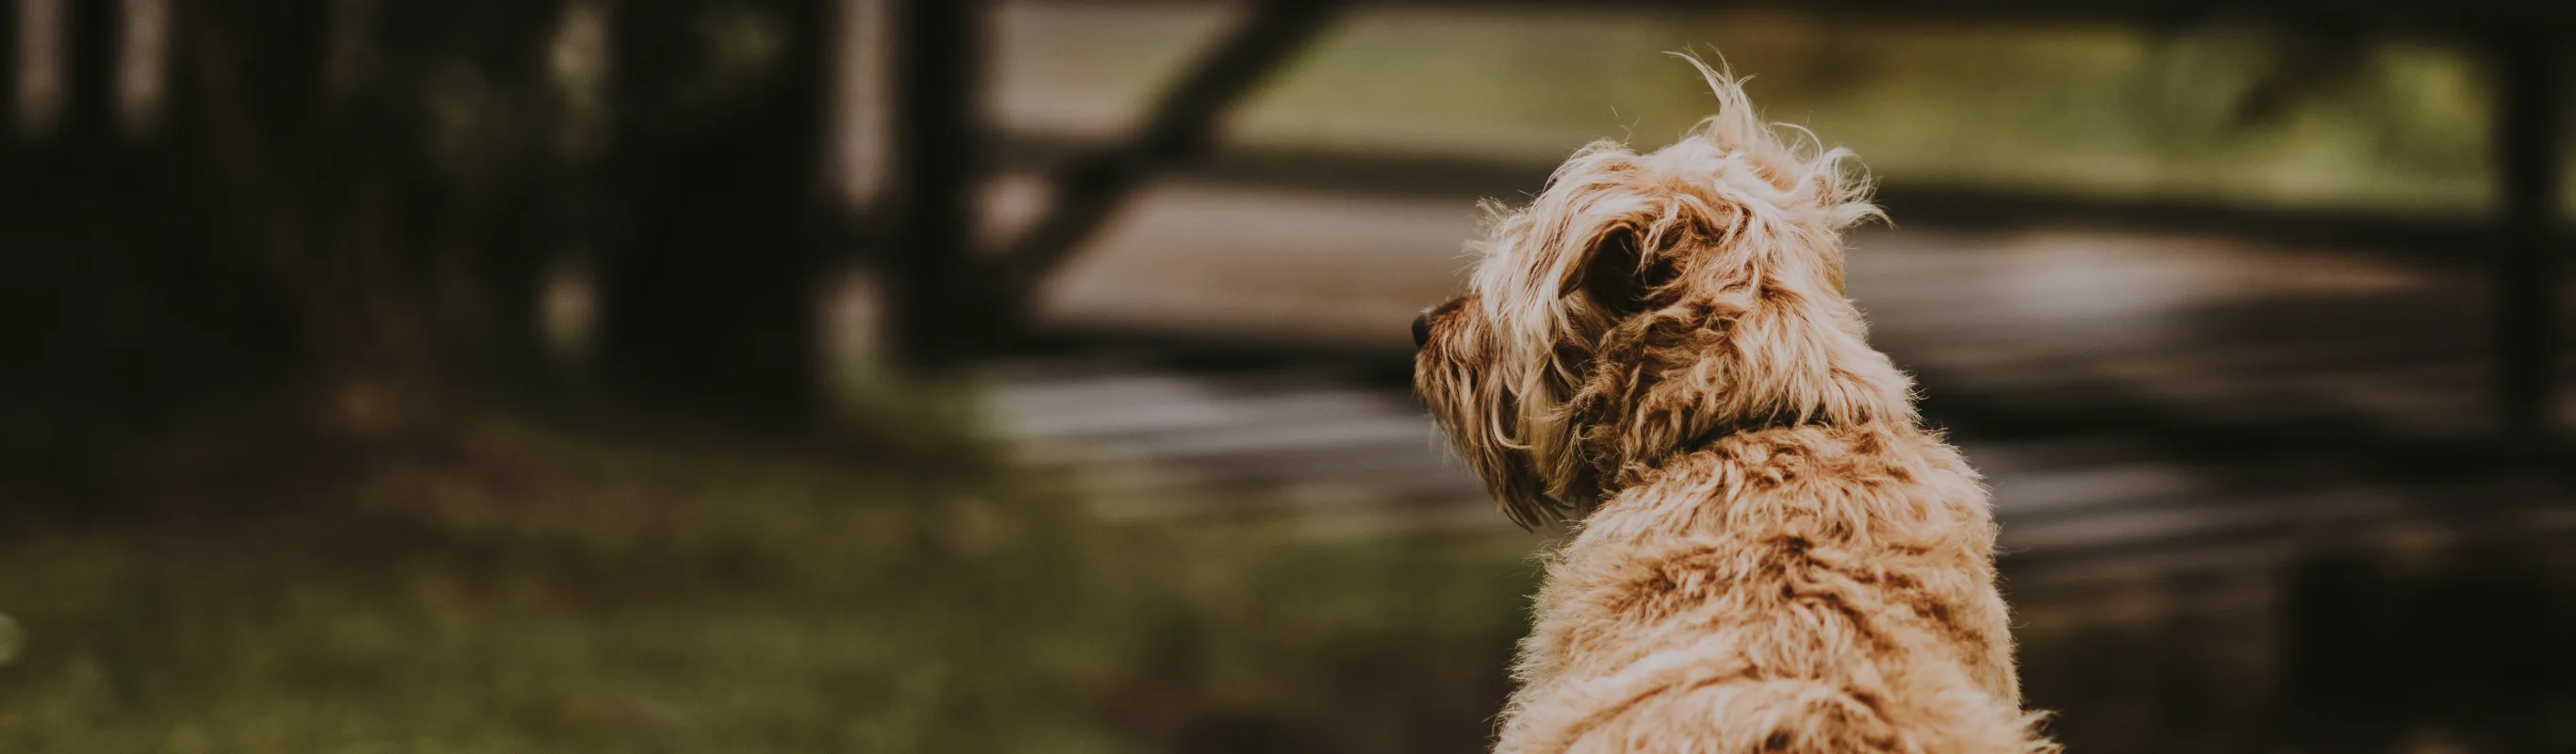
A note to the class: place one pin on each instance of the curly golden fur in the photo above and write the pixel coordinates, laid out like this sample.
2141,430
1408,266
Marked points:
1770,554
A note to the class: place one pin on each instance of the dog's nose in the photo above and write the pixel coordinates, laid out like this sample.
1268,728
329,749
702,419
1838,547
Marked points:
1422,329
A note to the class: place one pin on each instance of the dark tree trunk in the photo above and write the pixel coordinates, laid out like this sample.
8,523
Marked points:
89,73
709,294
8,79
489,228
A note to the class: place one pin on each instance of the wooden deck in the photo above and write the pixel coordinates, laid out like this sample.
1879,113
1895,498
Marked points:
2248,494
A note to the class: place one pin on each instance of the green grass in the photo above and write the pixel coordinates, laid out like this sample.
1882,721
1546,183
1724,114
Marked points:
530,589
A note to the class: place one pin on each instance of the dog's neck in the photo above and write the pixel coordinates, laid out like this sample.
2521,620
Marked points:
1771,369
1748,451
1715,440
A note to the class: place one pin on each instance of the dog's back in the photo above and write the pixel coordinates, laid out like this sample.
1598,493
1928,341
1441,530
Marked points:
1796,590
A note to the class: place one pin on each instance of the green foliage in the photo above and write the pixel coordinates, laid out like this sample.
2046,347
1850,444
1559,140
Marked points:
2209,112
545,590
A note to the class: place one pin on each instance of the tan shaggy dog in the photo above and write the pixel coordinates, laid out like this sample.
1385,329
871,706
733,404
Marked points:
1769,553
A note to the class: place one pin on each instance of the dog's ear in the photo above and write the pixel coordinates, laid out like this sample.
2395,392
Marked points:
1618,274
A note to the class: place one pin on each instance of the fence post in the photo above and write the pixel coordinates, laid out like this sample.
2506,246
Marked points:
935,156
2527,192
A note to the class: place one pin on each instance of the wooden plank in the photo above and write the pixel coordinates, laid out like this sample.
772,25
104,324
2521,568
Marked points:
1088,190
2432,239
1957,403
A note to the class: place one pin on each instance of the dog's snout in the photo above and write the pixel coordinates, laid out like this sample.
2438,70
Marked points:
1422,329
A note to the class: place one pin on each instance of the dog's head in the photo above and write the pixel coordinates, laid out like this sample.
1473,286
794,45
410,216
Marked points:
1645,304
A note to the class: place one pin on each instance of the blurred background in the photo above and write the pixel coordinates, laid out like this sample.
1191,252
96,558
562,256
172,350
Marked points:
1030,375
